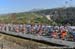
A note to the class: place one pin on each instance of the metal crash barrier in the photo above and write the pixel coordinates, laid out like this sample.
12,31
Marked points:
41,38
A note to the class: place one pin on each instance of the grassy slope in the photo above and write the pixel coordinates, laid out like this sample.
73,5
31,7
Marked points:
22,42
25,18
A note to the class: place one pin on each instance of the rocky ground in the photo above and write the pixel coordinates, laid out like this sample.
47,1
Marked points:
9,42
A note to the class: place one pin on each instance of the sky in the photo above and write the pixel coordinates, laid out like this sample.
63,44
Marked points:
11,6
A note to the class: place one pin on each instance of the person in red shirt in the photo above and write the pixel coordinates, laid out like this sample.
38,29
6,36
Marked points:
63,35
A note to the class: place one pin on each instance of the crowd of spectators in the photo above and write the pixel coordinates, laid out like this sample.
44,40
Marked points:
57,32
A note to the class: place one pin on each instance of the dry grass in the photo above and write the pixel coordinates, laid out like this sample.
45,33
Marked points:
29,44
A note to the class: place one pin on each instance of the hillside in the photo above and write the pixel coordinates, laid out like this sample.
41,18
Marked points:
57,15
25,17
61,15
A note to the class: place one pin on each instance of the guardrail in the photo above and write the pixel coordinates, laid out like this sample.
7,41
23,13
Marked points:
41,38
